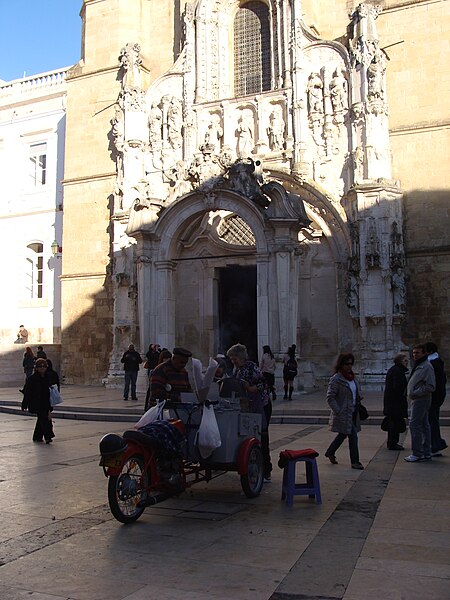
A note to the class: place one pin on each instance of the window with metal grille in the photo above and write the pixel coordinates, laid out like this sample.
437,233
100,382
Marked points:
252,72
234,230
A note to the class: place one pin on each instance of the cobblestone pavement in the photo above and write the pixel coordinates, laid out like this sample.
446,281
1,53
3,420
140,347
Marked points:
379,533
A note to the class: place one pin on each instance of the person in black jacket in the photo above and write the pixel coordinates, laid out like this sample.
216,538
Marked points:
437,399
52,375
395,404
131,361
36,399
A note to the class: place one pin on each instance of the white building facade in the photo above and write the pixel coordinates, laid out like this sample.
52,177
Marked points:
32,137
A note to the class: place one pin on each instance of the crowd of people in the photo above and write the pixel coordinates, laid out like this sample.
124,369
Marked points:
417,395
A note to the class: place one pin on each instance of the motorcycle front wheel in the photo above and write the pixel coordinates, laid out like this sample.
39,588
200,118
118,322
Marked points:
127,490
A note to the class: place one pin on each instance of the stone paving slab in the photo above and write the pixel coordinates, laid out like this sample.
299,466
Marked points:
361,543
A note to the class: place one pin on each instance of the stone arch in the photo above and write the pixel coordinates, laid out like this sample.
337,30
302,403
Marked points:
178,215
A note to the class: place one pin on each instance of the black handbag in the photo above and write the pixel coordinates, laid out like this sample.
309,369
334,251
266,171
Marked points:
362,412
394,424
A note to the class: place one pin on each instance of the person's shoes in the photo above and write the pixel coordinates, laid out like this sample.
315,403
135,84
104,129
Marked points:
48,441
427,457
436,454
396,447
125,399
332,458
135,399
285,397
413,458
37,440
358,466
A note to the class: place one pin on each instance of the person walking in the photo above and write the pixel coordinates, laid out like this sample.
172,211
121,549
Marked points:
36,399
421,385
28,362
437,399
40,352
395,405
131,361
290,371
255,385
343,396
267,367
52,375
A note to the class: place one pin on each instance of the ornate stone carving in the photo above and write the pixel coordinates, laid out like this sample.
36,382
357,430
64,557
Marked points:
398,291
214,132
365,37
242,178
316,106
130,61
175,123
155,122
122,279
372,246
338,95
244,132
352,294
396,254
275,130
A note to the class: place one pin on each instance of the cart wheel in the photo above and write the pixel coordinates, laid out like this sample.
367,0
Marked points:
252,482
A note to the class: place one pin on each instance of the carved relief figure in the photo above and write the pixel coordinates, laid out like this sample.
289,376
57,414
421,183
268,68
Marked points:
399,291
275,131
118,127
175,122
372,247
353,295
131,62
358,164
155,125
315,94
245,136
338,93
375,75
214,132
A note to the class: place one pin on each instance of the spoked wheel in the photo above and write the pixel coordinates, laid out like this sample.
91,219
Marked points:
126,490
252,482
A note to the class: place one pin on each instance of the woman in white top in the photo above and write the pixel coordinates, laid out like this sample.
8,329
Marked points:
267,367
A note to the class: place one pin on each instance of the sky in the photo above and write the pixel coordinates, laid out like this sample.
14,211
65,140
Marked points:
38,36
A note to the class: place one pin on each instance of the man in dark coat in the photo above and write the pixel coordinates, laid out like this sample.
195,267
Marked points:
437,399
36,399
131,361
395,404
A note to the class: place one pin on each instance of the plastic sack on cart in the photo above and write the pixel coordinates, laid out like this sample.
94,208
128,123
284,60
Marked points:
55,396
155,413
201,381
208,434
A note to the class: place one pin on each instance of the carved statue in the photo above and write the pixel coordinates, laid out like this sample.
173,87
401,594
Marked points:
337,92
353,295
275,131
118,127
214,132
375,75
399,291
175,122
315,94
245,137
155,125
358,164
131,62
243,179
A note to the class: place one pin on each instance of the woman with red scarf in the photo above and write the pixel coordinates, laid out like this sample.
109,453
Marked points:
343,396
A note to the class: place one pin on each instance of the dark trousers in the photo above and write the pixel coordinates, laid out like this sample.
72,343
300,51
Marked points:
437,443
352,444
130,378
392,438
43,428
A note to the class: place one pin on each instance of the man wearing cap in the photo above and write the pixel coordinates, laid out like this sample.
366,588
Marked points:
170,378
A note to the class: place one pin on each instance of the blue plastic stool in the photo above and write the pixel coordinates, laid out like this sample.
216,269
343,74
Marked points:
288,461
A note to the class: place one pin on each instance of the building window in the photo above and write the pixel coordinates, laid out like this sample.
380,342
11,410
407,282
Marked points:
252,71
34,270
38,164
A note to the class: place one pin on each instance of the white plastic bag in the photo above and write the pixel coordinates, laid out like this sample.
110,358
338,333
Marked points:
154,413
208,435
55,396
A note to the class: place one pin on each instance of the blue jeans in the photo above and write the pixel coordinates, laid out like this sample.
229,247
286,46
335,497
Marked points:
420,426
352,444
130,377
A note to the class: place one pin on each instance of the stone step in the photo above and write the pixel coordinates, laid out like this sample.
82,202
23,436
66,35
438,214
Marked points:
132,415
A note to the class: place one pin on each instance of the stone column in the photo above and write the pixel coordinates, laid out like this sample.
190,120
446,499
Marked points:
165,326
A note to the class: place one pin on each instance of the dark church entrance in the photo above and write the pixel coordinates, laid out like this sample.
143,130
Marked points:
237,308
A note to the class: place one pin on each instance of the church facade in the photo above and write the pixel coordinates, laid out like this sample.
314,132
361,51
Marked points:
229,178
